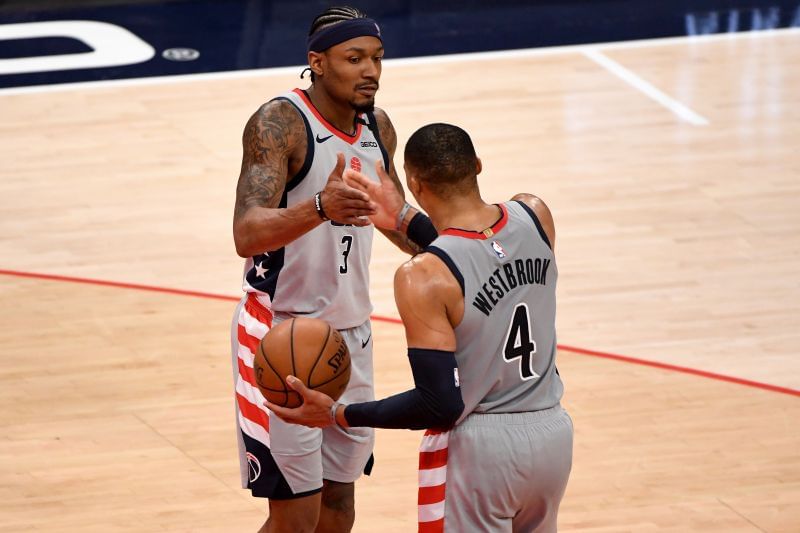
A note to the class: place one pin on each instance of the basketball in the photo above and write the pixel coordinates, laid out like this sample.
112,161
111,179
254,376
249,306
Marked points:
307,348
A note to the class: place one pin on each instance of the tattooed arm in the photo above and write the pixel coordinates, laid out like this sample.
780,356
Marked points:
389,139
274,144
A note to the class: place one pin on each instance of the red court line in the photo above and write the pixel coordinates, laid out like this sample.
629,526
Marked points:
392,320
389,319
682,369
117,284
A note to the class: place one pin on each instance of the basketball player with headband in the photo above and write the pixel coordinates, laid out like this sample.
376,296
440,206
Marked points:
307,243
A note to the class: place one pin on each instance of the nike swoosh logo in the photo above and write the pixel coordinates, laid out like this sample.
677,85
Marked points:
364,343
323,139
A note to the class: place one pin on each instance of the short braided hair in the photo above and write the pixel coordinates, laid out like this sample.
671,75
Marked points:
334,15
331,16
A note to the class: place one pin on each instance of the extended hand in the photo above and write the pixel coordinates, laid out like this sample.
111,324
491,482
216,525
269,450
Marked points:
384,195
342,203
315,412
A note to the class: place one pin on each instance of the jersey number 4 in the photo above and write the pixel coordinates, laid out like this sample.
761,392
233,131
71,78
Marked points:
519,343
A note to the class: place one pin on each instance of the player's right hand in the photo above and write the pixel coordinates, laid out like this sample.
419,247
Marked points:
314,412
343,203
384,195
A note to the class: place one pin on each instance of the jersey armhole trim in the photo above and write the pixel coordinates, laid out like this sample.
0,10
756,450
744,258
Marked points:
295,180
448,261
536,222
373,127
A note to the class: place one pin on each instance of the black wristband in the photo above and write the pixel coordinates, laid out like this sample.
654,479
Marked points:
421,231
318,206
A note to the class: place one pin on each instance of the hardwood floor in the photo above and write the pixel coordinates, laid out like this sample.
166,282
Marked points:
677,244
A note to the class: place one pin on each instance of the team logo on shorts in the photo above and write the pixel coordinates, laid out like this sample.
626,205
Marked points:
355,164
498,249
254,466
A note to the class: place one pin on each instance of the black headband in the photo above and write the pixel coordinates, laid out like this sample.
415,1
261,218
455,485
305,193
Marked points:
341,32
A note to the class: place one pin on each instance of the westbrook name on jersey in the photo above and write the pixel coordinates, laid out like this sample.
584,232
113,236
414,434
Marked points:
508,277
506,341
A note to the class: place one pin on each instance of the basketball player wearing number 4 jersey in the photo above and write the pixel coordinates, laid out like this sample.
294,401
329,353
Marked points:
479,313
307,242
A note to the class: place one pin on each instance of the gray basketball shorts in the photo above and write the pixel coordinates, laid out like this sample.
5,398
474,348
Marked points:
496,473
283,461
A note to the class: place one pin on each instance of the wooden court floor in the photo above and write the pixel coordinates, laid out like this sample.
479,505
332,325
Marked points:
673,173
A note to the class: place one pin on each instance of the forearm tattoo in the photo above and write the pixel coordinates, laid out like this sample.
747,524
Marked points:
402,241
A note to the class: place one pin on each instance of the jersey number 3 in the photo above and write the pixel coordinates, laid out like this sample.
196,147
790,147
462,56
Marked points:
519,343
347,242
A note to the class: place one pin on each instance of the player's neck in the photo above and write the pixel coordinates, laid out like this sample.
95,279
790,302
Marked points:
465,212
341,117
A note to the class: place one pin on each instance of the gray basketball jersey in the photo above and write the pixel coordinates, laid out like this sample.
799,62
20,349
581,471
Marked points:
324,273
506,342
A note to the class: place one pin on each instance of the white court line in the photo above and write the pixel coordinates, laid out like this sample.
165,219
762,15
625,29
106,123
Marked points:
651,91
426,60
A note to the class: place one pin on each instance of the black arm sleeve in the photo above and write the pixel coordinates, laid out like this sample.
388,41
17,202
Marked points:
435,402
421,230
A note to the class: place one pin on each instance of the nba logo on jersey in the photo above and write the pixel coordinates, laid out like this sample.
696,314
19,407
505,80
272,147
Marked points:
498,249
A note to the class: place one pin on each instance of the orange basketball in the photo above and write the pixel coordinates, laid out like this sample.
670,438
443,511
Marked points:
307,348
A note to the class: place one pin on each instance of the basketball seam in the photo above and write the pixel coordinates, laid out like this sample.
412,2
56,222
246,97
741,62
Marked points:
291,347
263,387
319,356
284,390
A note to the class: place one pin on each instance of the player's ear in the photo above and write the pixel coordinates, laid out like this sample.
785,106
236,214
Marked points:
414,185
315,62
478,166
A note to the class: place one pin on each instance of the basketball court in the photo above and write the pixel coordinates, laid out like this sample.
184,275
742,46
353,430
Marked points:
671,167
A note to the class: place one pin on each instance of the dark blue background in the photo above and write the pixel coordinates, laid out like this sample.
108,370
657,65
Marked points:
233,35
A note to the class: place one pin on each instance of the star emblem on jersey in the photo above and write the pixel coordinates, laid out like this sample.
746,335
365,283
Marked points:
323,139
355,164
498,250
261,271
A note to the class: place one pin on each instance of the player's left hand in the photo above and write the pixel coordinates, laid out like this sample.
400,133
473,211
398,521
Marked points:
315,412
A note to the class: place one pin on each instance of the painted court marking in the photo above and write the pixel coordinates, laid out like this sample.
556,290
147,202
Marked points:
393,320
638,83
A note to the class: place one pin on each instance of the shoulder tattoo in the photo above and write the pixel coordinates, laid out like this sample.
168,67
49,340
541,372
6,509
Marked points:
387,132
267,143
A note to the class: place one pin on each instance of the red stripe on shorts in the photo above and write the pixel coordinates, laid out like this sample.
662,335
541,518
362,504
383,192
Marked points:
432,467
437,526
247,340
251,412
247,373
255,309
428,460
429,495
